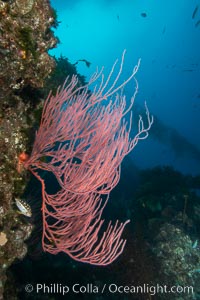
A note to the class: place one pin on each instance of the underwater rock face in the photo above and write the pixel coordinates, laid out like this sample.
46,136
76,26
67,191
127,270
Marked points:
179,260
25,38
24,6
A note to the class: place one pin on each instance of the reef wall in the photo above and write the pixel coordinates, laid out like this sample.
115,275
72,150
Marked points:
25,38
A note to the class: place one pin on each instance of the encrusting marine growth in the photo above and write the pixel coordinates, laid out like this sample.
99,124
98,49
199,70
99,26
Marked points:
84,137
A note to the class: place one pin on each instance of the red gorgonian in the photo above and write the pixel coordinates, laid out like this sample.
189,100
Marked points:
84,137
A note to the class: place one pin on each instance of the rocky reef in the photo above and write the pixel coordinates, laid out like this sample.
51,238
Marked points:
25,38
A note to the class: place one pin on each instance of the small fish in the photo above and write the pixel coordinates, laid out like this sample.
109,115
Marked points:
197,23
164,29
195,12
194,246
23,207
188,70
85,61
144,15
118,17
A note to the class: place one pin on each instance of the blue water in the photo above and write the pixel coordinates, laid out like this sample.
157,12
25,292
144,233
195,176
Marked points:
168,43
